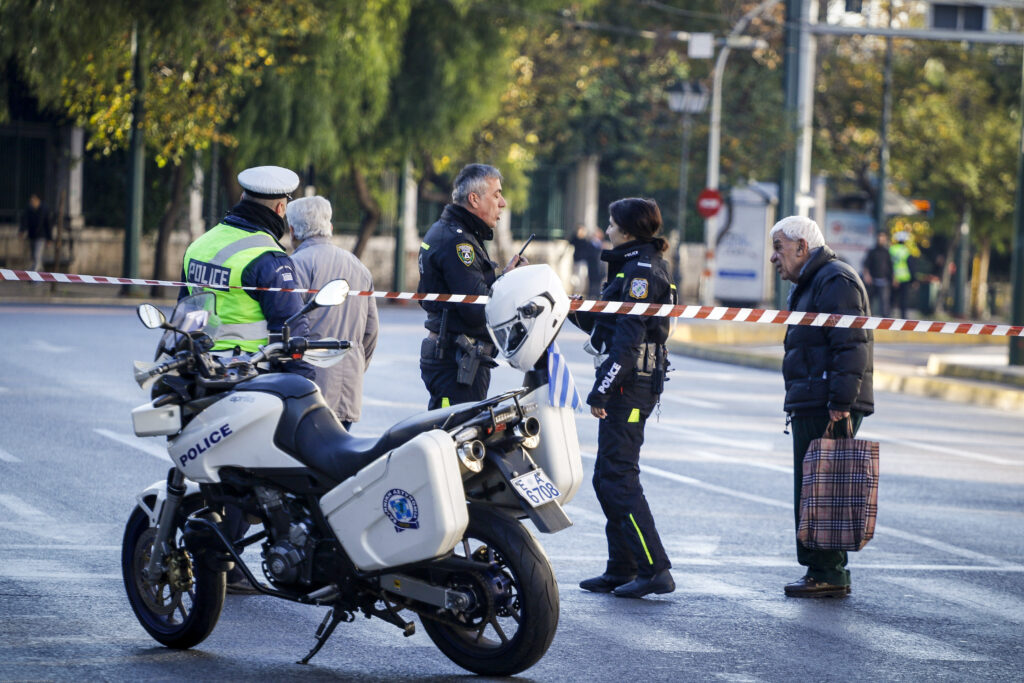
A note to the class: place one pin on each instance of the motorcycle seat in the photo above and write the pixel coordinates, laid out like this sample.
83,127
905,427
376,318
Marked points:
310,432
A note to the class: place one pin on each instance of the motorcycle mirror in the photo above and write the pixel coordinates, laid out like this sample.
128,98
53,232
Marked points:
332,294
151,316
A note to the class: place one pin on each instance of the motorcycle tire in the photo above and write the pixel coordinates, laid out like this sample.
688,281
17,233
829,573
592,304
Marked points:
183,606
483,645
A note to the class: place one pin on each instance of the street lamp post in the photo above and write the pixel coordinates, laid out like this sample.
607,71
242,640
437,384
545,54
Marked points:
687,98
735,39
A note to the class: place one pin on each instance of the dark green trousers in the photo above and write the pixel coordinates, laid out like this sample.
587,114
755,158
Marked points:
822,565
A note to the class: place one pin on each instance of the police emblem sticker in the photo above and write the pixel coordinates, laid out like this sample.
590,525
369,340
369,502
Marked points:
401,509
466,253
638,288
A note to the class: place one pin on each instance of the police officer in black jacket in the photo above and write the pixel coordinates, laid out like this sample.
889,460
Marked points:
828,372
457,355
632,362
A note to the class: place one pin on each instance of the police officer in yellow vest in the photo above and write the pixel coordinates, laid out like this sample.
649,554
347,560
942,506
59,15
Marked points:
244,250
902,273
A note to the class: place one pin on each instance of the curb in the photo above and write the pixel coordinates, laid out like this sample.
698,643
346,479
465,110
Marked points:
976,386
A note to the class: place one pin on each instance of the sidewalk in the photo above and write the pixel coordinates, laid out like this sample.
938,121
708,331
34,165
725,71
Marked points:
968,369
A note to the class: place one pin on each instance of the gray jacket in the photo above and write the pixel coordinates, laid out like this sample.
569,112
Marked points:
317,262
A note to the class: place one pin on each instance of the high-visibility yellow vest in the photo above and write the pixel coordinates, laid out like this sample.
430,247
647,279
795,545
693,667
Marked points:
900,254
217,260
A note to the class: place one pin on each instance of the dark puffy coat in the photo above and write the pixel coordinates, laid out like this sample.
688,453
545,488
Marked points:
453,260
828,367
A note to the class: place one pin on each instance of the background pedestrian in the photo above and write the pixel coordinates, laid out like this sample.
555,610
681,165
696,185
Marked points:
877,271
38,229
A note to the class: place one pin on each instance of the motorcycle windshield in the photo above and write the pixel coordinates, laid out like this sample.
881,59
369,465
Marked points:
195,313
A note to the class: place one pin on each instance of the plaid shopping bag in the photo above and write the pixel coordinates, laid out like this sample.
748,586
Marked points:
839,493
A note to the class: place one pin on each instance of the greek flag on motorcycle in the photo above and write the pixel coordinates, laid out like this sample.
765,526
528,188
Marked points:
561,387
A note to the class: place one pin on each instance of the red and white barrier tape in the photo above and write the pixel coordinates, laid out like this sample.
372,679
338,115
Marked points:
749,315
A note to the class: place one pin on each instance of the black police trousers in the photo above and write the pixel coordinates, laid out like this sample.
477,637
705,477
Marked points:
634,546
439,376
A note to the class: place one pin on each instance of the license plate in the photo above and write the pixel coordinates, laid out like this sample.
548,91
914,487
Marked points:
535,488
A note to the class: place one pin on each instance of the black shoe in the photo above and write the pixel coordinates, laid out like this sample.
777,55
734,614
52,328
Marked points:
239,585
645,585
605,583
812,588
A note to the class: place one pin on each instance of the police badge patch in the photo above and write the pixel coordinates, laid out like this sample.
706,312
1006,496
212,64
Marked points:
638,288
402,510
466,253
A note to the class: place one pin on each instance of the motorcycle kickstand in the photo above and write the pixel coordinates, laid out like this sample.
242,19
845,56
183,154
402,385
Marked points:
335,616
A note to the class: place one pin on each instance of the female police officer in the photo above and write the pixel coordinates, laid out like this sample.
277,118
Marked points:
631,364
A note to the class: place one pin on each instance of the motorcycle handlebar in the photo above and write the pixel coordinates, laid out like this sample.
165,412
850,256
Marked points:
162,368
333,345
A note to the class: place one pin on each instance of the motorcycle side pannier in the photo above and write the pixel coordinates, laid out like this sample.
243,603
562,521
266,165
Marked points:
406,506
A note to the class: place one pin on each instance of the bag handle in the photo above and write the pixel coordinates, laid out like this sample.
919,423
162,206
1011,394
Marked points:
847,424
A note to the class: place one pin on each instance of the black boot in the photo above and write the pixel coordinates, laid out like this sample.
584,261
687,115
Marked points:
645,585
605,583
812,588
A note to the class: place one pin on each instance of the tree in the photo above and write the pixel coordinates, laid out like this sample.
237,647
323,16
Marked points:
199,58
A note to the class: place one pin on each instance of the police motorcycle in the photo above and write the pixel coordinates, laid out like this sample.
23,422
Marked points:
424,520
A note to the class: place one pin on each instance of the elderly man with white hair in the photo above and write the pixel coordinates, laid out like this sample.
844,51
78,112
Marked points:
827,370
317,262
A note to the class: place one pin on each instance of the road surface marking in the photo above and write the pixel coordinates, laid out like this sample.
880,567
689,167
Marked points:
708,455
767,562
977,598
7,457
56,546
23,509
47,571
879,528
695,402
959,452
42,345
704,437
821,617
147,447
387,403
649,638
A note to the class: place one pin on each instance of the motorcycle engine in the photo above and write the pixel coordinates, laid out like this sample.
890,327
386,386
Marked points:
290,540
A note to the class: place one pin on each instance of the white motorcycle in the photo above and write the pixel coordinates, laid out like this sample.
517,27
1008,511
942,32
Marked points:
424,519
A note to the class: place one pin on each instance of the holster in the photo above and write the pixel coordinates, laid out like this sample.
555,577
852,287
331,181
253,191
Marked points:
470,354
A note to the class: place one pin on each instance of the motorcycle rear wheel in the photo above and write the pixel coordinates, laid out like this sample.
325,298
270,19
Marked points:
511,636
181,607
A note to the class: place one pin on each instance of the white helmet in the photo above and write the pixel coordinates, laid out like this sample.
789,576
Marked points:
524,313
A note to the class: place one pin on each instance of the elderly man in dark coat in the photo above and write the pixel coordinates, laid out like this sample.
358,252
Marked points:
827,370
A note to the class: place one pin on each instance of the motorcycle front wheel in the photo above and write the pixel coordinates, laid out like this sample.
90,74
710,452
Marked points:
180,607
515,614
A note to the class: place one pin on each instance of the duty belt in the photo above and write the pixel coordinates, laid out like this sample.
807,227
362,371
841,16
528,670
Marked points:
449,339
646,358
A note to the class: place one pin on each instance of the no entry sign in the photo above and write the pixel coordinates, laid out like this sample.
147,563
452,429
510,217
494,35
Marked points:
709,202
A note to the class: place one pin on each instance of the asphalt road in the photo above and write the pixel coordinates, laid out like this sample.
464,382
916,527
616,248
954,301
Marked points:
938,594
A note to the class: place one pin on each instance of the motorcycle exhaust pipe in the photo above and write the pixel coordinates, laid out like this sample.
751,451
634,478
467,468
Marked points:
529,427
471,455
